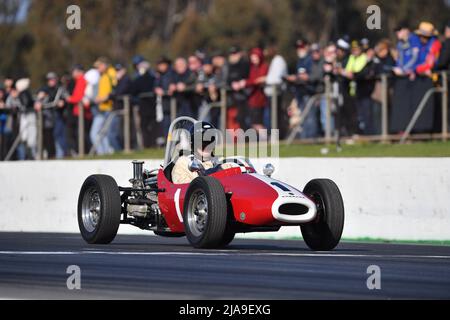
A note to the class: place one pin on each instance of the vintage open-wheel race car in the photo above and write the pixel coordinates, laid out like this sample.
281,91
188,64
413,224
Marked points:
213,207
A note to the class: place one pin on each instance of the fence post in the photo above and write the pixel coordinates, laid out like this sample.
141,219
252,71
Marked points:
274,106
384,108
126,124
444,106
223,110
173,108
40,135
80,130
328,97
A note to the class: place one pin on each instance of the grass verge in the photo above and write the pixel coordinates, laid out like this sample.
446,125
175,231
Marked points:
360,150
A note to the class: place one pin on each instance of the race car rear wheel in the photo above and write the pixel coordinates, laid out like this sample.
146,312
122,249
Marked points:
324,233
99,209
205,213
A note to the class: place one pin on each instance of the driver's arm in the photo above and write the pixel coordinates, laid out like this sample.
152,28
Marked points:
181,173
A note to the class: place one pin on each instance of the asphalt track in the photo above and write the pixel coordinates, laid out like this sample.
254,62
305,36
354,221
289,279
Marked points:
33,266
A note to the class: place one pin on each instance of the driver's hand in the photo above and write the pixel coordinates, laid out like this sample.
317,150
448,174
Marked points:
228,165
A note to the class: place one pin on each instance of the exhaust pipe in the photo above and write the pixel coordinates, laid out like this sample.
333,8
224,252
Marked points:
138,174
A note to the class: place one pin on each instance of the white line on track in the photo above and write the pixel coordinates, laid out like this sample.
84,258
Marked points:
219,253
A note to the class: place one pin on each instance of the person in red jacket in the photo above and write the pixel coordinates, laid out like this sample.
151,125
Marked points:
74,100
257,100
429,50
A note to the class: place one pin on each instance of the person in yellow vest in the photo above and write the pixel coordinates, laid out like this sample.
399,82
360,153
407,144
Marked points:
352,72
356,63
104,105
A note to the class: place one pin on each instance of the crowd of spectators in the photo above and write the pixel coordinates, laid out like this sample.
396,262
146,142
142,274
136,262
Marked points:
353,67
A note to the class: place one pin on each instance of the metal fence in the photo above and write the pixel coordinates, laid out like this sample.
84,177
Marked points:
130,113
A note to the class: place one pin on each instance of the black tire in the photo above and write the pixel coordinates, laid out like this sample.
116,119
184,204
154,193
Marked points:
228,237
324,233
105,229
213,232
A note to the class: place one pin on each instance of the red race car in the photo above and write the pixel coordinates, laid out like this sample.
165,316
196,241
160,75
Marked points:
213,207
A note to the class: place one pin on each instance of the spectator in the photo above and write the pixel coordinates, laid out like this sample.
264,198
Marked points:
8,86
342,51
142,89
443,63
408,47
358,88
11,120
365,44
46,103
303,88
275,76
407,51
238,71
123,88
257,101
217,83
383,63
136,61
317,86
183,83
220,65
444,58
329,65
92,77
429,49
207,91
164,75
104,107
74,99
195,65
343,117
2,98
21,100
5,128
379,61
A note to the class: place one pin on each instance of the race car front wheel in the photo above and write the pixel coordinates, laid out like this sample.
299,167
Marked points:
205,213
99,209
324,233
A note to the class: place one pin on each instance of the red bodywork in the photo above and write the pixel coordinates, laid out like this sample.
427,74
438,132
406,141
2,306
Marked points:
251,199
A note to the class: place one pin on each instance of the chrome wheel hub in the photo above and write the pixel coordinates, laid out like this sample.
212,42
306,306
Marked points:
198,213
91,206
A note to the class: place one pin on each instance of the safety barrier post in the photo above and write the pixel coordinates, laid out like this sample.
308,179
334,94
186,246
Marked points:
80,130
444,106
328,97
274,106
223,110
173,108
384,108
126,124
40,135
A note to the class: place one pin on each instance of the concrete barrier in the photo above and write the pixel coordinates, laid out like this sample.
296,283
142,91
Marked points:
388,198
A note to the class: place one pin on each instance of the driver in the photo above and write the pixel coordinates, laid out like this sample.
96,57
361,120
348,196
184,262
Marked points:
203,142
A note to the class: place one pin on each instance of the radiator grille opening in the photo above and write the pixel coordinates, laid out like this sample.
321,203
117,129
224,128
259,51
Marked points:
293,209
